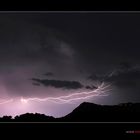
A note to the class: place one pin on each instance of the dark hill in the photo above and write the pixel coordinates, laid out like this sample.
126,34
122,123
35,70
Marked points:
30,117
87,112
99,113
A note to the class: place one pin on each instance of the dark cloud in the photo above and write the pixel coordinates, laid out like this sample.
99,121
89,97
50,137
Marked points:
49,74
59,83
96,77
122,69
128,78
91,87
125,75
93,77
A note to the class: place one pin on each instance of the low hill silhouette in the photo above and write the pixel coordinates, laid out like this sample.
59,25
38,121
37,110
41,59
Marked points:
30,117
87,112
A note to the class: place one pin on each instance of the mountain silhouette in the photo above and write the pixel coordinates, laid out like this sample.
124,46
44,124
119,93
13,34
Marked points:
87,112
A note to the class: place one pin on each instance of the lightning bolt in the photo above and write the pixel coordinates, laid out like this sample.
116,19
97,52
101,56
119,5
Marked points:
100,91
6,101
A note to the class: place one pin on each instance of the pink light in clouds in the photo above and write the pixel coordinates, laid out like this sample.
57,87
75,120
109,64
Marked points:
100,91
48,105
4,101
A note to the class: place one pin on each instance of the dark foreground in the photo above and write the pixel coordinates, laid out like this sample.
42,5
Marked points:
86,112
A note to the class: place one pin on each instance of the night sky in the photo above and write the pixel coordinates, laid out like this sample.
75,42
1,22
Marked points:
47,58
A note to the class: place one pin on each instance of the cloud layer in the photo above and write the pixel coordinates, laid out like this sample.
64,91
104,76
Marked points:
59,83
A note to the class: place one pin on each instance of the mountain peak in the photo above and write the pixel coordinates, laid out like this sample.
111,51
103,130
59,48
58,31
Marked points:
87,104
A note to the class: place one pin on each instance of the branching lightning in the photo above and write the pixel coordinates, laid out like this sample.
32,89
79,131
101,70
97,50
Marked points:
100,91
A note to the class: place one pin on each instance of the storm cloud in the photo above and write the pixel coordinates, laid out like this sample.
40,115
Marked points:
126,78
49,74
59,83
74,51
